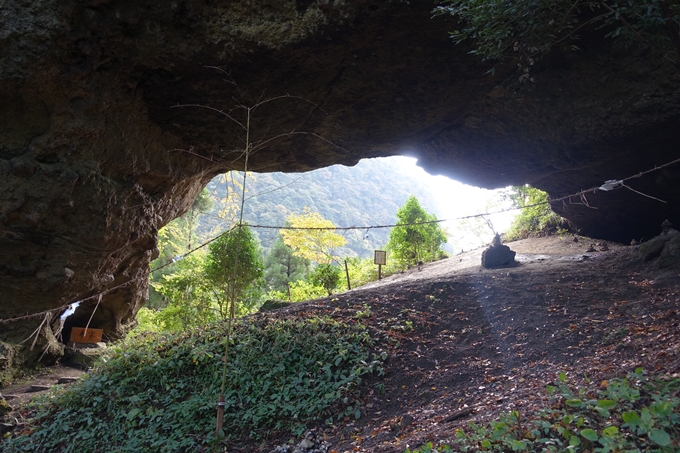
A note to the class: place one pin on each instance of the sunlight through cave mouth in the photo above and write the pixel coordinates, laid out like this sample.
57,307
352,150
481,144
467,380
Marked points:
364,201
368,194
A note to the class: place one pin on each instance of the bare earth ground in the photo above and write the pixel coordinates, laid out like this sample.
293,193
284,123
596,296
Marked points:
467,343
25,389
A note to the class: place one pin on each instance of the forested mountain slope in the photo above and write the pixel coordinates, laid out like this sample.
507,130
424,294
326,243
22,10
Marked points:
369,193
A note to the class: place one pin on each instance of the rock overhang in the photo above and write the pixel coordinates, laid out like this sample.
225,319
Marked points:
96,155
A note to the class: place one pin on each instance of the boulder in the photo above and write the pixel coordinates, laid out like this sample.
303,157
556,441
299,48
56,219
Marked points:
6,355
670,255
497,256
86,357
665,249
273,305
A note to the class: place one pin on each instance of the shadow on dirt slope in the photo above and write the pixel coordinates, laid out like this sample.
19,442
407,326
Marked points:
467,343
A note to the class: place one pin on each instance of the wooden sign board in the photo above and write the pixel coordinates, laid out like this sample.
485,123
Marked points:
380,257
79,335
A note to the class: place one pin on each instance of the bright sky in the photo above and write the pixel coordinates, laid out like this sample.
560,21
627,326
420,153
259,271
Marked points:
455,200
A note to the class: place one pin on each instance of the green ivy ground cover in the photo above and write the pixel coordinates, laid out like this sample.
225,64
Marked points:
635,414
159,392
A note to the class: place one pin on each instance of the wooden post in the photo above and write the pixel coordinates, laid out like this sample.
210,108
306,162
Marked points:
220,415
379,271
349,286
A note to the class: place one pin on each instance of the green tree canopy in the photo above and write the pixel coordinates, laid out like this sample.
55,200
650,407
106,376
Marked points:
340,194
174,240
414,241
187,299
234,269
283,267
179,236
536,217
523,30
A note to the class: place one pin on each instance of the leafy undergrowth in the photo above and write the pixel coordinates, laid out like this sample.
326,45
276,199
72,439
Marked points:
158,393
637,413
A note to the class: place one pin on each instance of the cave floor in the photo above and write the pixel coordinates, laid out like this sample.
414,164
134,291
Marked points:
466,343
39,382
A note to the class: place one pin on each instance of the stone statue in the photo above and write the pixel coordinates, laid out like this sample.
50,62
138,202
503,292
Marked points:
497,255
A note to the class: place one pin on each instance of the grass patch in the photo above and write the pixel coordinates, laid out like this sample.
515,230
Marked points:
158,392
638,413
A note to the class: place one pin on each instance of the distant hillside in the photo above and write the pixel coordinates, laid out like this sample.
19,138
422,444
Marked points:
369,193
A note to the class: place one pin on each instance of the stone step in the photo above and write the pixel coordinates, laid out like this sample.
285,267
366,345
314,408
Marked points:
38,388
67,380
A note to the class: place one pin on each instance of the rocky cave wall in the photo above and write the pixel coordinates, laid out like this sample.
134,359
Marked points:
104,134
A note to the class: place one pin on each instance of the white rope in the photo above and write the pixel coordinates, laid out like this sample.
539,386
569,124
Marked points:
607,186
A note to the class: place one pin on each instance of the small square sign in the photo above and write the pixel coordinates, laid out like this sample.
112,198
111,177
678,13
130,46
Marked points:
380,257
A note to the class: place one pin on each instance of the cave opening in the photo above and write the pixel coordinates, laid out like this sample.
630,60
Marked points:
346,196
362,200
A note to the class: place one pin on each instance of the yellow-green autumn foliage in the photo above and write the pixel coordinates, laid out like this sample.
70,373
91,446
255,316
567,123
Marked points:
312,237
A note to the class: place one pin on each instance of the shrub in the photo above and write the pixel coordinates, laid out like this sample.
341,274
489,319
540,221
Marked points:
158,392
327,276
234,269
536,219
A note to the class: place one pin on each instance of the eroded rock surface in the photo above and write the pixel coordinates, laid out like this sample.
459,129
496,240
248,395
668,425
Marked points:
94,159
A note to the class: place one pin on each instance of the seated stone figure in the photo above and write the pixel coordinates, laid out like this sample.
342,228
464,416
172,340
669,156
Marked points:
497,255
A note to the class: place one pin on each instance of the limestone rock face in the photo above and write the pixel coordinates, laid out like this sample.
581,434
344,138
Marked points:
96,155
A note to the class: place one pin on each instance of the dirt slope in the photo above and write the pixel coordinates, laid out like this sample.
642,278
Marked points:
466,343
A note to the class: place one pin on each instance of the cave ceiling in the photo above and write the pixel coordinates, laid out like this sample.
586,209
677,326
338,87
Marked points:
115,114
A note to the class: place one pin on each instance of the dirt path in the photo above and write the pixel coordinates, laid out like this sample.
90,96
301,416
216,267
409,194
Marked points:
24,389
542,251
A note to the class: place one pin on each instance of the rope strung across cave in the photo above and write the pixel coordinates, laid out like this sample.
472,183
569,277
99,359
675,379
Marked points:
550,201
556,200
607,186
61,307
